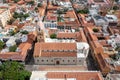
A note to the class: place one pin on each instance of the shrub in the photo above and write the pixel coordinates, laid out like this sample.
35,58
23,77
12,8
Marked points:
1,44
39,5
95,29
12,33
83,11
115,7
53,36
24,32
13,48
15,1
31,2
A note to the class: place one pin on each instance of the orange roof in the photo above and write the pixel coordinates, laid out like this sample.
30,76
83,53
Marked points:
79,36
66,35
55,50
58,54
21,2
104,66
58,46
76,75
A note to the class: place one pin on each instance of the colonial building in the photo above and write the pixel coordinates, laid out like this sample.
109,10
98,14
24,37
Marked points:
61,53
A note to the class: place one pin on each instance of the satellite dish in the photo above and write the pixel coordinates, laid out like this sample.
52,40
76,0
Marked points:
24,38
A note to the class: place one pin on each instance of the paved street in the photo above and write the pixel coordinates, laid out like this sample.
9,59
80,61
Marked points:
55,67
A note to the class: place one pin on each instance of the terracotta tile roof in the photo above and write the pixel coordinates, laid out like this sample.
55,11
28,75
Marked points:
58,54
37,49
19,56
66,35
21,2
55,50
76,75
82,36
51,18
104,66
58,46
79,36
10,55
24,49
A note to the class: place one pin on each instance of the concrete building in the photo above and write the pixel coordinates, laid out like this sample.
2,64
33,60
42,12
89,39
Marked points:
5,15
61,53
112,20
99,20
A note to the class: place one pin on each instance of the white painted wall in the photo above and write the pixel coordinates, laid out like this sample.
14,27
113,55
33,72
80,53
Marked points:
62,61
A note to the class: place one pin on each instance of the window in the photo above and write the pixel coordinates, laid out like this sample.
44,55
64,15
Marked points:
42,60
68,60
37,60
63,60
47,60
73,60
51,60
79,60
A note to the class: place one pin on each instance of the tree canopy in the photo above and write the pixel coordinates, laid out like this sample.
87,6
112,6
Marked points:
95,29
83,11
53,36
39,5
11,70
24,32
31,3
1,44
13,48
15,1
20,15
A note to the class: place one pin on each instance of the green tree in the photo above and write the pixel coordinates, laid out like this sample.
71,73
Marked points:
116,0
12,33
39,5
1,44
24,32
13,48
53,36
115,7
26,15
15,1
11,70
95,29
31,3
15,15
36,8
60,18
83,11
